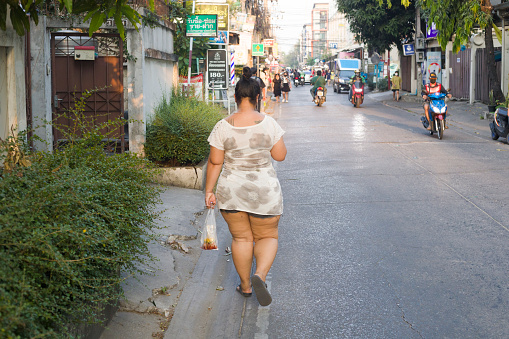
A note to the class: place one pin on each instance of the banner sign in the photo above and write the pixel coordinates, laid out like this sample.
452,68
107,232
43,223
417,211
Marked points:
431,31
268,42
433,64
222,12
194,79
217,69
202,25
257,50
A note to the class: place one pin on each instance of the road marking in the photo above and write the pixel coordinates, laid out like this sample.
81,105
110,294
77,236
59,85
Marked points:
262,319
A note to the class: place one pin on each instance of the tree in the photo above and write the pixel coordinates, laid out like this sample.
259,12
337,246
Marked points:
292,59
380,26
459,19
22,11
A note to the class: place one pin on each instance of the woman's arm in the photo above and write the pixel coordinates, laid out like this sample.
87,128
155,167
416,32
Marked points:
278,151
214,165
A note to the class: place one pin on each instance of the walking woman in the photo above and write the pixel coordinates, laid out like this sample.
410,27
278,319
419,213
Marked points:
286,86
248,192
277,86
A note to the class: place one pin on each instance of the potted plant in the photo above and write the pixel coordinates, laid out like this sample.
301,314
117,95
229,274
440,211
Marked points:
492,104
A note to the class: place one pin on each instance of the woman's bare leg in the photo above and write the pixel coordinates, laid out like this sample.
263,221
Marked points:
265,233
242,246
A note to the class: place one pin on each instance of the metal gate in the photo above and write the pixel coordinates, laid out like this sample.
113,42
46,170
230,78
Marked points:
81,63
406,73
460,77
482,84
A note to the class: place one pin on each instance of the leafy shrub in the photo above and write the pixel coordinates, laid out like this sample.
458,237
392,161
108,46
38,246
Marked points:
69,222
178,133
371,83
382,84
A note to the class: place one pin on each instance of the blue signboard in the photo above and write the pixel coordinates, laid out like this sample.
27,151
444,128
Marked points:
333,45
431,31
408,49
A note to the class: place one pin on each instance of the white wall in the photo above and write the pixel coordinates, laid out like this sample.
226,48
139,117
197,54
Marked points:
148,78
12,82
158,74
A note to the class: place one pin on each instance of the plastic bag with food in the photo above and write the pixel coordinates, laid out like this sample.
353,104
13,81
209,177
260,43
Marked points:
209,233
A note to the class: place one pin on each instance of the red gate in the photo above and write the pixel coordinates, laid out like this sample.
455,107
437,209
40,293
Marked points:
81,63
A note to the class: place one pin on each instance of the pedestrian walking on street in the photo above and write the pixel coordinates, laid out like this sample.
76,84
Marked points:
287,85
277,86
261,87
248,191
263,77
396,86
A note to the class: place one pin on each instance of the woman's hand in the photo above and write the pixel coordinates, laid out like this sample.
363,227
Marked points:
210,200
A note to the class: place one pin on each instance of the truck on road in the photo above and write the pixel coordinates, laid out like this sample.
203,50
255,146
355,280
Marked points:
345,69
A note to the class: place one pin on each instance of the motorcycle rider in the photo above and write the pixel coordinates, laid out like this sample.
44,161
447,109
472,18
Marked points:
431,88
296,76
317,81
357,76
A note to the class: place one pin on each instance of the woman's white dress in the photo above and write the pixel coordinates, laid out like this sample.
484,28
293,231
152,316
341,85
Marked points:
248,181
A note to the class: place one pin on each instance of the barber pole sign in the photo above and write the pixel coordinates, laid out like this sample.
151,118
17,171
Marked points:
232,69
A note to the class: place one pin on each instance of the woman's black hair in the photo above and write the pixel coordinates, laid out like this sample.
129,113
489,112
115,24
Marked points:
247,87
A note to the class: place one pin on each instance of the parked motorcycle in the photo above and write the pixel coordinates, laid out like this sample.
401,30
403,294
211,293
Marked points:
320,96
357,93
499,126
438,111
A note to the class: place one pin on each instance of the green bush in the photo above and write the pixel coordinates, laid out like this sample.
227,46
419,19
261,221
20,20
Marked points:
69,222
371,83
178,133
382,84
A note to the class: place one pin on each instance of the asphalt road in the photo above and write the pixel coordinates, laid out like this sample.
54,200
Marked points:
387,232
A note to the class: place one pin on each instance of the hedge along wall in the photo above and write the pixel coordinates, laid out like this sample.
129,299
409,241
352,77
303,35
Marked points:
68,224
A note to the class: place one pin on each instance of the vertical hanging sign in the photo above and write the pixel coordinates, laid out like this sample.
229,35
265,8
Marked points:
217,69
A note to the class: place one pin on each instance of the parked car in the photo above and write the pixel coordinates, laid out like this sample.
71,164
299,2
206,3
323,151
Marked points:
307,77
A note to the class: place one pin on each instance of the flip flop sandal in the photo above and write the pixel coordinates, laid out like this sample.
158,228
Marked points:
248,294
260,288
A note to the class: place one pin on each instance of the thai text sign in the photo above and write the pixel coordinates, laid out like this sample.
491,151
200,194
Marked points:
217,69
222,12
202,25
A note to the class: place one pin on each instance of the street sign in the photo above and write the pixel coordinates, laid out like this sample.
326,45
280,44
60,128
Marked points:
408,49
222,12
333,45
258,50
268,42
217,69
201,25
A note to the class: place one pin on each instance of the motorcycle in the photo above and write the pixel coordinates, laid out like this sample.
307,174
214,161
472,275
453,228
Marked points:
299,81
499,126
438,111
320,96
357,93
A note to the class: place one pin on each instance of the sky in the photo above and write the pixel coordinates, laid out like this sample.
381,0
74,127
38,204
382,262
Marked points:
289,16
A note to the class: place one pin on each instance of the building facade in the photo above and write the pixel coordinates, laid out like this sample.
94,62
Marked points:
319,27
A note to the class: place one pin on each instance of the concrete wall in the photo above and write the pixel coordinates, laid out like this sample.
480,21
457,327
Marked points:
12,81
40,45
149,77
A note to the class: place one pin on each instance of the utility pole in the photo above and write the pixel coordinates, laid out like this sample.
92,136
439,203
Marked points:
418,35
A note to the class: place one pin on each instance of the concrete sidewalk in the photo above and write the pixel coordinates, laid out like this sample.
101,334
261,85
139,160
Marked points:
151,300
